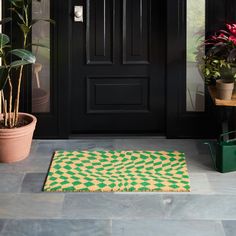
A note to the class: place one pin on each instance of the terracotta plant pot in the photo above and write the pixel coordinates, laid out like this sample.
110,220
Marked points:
15,143
224,89
40,100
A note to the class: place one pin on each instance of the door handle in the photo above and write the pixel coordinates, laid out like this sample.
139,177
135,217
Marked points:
78,14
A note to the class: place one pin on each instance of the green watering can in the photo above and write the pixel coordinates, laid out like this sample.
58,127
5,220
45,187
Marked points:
223,152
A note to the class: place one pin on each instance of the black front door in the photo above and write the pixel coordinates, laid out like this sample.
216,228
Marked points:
117,67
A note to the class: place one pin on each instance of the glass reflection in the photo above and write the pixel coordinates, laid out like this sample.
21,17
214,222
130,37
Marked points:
195,35
41,69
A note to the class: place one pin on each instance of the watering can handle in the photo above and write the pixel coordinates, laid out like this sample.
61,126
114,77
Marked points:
213,153
227,133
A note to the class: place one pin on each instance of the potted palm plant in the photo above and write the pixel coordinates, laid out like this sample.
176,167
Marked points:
220,60
16,129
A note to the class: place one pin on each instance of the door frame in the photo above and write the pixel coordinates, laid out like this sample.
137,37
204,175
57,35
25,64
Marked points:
179,123
64,30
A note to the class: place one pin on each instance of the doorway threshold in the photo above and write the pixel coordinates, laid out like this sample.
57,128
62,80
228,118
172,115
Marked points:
118,136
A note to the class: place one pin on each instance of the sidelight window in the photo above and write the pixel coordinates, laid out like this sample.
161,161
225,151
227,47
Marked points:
41,69
196,17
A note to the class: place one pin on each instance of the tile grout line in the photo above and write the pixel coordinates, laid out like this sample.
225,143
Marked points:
111,226
223,228
6,221
21,182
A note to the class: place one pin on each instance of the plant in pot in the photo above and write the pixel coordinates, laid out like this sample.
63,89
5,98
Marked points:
16,129
220,60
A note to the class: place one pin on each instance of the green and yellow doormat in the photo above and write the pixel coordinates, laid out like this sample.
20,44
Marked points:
118,171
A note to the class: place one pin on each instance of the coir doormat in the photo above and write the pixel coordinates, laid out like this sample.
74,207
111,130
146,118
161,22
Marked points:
118,171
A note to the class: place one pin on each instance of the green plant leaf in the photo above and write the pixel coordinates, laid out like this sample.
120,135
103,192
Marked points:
3,77
24,55
207,71
40,45
24,28
18,63
217,74
4,40
5,20
17,3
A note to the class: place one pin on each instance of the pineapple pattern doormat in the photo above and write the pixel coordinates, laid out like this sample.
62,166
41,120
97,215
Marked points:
117,171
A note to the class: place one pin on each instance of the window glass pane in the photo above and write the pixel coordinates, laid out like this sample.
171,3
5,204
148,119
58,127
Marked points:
41,69
195,35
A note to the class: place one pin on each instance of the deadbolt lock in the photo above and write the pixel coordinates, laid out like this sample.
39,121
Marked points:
78,13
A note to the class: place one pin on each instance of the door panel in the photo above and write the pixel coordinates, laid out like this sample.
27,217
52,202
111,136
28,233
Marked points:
136,31
99,31
117,65
117,95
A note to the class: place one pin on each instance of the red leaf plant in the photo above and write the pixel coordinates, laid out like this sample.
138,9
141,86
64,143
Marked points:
219,61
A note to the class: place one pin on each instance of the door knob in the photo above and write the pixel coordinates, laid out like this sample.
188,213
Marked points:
78,13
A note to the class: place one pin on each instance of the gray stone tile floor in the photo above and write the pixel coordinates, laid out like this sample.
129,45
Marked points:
209,209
